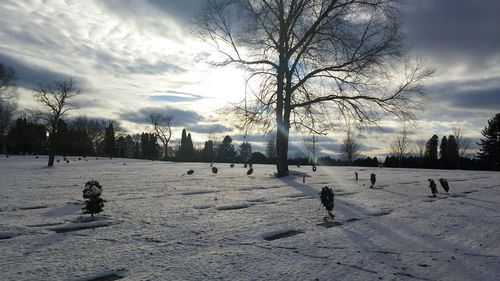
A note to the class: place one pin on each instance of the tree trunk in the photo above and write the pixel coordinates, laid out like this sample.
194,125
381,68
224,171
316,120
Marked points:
282,150
165,152
282,130
52,148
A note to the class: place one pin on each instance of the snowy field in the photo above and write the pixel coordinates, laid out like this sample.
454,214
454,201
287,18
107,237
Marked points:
159,225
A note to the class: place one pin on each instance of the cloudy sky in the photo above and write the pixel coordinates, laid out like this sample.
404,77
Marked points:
131,57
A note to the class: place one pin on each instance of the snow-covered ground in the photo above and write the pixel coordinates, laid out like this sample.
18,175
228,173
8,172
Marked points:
158,224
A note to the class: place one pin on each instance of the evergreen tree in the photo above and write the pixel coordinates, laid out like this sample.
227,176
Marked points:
189,148
154,148
431,152
226,152
62,138
79,141
129,147
109,140
490,144
245,152
453,155
92,194
145,147
26,137
258,158
182,150
120,147
443,153
208,152
137,146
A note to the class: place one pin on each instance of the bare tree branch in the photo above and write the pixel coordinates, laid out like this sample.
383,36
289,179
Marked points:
7,83
161,128
55,101
401,145
350,146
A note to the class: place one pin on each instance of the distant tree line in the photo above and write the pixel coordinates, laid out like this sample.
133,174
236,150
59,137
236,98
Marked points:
83,136
361,162
447,154
217,151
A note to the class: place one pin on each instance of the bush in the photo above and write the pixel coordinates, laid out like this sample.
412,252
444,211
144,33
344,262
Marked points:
92,193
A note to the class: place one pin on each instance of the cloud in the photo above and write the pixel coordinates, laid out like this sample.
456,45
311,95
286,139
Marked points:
142,66
380,130
146,16
182,10
181,117
204,128
478,99
174,96
84,101
111,62
30,76
454,29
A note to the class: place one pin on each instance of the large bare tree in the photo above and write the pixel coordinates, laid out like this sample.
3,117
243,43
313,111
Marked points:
314,62
55,101
161,128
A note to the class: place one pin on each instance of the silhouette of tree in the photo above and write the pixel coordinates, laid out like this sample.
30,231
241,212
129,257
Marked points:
7,83
186,149
443,152
79,130
490,144
8,105
136,138
271,148
226,152
245,152
463,143
189,150
7,111
350,146
258,158
109,141
62,138
316,61
55,99
420,145
208,152
161,127
452,153
26,137
431,152
182,155
309,144
401,145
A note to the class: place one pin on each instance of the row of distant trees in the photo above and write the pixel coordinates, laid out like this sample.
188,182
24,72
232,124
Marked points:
216,151
449,152
83,136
